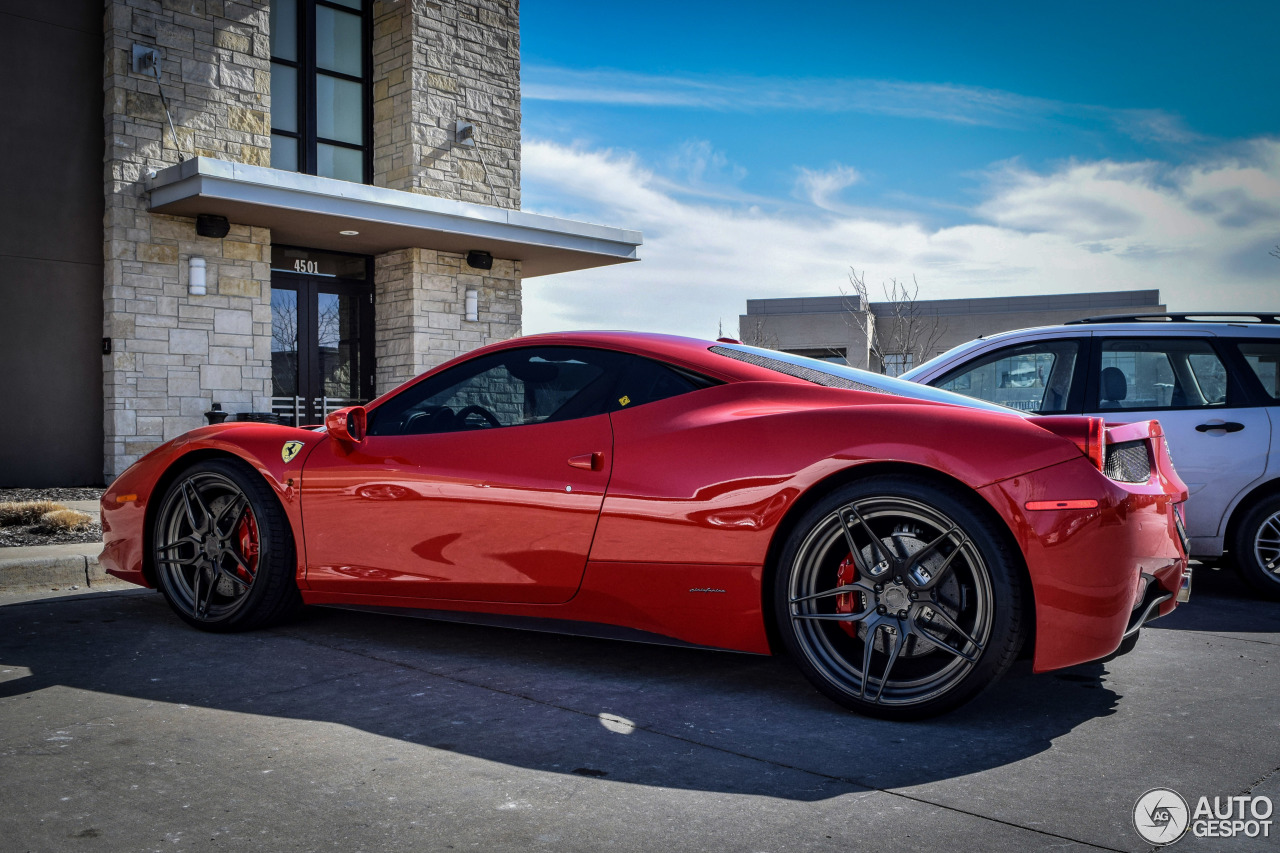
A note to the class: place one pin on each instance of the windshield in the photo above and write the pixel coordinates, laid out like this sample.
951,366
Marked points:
842,376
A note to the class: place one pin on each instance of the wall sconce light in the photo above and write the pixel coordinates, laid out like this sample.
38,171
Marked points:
464,133
196,277
473,305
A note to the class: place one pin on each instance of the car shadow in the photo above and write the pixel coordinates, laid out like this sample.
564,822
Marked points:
1237,607
649,715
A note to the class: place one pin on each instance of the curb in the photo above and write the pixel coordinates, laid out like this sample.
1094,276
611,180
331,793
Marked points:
24,574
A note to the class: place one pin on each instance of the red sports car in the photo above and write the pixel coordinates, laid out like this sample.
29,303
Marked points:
901,542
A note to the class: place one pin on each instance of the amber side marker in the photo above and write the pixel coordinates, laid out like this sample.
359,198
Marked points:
1090,504
126,499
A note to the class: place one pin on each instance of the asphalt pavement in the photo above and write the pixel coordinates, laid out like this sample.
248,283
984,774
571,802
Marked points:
122,729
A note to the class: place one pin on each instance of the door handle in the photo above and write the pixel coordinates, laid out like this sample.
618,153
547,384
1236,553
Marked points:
588,461
1229,426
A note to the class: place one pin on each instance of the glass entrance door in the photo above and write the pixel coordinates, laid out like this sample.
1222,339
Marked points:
321,338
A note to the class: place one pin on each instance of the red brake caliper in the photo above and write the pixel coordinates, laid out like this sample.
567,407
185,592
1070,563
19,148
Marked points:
846,601
248,534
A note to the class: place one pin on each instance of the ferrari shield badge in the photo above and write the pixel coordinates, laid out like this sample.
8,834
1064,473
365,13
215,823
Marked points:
290,450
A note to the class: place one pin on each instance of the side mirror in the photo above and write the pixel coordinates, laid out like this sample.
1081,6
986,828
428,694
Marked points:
347,424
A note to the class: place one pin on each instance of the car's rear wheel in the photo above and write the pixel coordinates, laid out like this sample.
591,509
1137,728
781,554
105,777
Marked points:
1256,548
897,599
222,549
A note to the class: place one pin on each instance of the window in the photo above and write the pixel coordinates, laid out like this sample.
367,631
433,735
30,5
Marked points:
898,363
530,386
1160,373
1264,358
320,121
831,354
1032,377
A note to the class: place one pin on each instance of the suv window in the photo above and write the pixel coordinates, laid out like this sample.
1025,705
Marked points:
1264,358
1160,373
1034,377
528,386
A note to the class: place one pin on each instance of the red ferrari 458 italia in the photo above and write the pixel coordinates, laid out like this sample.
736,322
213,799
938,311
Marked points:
902,543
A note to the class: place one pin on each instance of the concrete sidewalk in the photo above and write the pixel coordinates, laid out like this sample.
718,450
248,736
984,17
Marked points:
55,567
51,567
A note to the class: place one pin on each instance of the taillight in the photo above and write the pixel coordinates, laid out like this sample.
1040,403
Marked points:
1088,434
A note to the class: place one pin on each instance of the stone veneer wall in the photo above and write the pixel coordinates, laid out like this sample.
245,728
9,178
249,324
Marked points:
436,63
419,306
174,354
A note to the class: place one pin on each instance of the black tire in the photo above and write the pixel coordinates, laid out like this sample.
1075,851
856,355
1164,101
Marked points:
1256,547
212,519
939,616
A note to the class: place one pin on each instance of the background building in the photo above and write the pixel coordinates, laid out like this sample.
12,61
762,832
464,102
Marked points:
282,206
895,336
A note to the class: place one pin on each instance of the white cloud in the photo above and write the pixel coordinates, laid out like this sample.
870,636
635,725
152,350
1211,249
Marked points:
822,186
1199,232
945,102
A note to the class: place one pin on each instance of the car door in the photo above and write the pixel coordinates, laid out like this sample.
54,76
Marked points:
481,483
1219,442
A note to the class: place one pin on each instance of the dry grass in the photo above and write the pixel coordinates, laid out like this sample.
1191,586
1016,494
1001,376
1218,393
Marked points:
65,521
13,513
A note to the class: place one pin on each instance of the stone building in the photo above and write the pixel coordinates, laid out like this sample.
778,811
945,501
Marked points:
277,206
894,337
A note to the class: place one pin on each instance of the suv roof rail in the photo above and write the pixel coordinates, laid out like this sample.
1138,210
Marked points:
1189,317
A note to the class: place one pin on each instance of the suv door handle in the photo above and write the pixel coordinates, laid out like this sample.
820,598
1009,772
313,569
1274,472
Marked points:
1229,426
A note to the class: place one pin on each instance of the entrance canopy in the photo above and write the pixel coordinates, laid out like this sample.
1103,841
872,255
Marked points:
306,210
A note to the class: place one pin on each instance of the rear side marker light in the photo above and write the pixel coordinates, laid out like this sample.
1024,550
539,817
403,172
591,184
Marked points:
1090,504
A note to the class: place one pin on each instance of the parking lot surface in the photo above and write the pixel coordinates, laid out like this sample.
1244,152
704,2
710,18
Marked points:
122,729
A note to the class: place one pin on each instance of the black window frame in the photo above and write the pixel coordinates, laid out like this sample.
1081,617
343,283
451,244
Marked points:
605,389
1253,392
307,136
1077,393
1238,395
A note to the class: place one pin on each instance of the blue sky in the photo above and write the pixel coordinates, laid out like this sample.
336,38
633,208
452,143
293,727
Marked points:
984,149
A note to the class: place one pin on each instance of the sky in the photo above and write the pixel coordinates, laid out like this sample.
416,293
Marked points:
975,149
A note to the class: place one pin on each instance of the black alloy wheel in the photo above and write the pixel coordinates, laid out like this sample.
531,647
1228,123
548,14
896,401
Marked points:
222,549
897,599
1256,546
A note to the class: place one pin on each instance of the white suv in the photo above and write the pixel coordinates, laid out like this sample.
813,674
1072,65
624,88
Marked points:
1213,383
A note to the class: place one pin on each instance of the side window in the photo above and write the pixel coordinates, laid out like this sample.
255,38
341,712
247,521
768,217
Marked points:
1264,358
529,386
510,388
1034,377
644,381
1160,373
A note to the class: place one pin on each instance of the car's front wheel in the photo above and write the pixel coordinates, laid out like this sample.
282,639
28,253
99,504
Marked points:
222,549
1256,548
897,599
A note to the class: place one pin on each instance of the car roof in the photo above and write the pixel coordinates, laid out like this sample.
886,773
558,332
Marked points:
1144,328
701,356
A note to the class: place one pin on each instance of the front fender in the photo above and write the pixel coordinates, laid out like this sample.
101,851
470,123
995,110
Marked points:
128,503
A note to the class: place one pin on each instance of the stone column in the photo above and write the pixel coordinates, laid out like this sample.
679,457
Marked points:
420,299
435,64
174,353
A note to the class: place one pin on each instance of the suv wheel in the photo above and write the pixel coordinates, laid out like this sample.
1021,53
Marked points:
1256,546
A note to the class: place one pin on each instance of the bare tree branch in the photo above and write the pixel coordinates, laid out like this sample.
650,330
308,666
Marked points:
906,330
755,334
